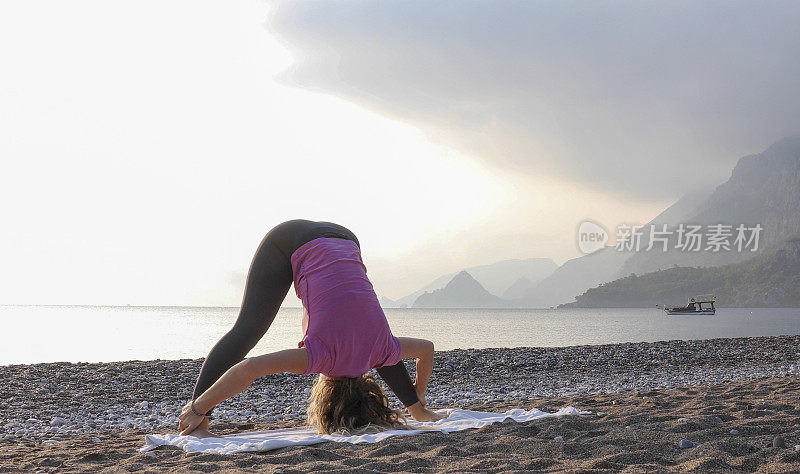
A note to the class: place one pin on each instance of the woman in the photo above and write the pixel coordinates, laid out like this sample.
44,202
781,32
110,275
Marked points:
345,335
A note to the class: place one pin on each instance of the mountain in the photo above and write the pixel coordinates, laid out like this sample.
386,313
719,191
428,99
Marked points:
388,303
573,278
763,189
771,279
463,291
519,288
496,278
581,273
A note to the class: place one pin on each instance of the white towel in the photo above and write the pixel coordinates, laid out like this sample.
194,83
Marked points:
457,420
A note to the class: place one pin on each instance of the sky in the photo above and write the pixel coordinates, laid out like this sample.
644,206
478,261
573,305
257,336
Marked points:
148,146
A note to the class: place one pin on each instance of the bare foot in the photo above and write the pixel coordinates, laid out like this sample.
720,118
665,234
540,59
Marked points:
420,413
203,433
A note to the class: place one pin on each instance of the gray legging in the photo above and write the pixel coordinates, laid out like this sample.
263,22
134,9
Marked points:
268,283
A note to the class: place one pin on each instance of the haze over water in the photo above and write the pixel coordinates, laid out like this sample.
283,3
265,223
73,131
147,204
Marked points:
35,334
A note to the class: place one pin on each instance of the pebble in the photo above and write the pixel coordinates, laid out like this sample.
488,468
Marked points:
558,438
735,432
148,395
57,421
779,442
685,443
797,448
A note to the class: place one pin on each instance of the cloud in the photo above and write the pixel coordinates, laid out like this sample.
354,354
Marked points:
647,99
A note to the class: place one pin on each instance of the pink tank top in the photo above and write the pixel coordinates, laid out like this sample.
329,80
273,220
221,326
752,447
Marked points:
345,331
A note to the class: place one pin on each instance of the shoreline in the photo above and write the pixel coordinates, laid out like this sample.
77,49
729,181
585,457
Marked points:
185,359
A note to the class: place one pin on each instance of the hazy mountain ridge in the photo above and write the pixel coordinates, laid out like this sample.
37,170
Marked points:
463,291
581,273
495,278
771,279
572,278
762,189
766,185
519,288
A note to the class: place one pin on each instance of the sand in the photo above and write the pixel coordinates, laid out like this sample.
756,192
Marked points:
630,432
638,429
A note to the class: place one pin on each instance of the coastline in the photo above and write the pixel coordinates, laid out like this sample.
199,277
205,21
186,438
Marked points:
110,406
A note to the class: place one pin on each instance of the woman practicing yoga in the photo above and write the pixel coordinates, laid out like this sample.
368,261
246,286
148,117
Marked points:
345,334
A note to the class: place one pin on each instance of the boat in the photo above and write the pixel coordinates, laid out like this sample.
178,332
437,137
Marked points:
700,304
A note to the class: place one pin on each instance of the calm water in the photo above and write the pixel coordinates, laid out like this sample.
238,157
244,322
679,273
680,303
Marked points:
101,334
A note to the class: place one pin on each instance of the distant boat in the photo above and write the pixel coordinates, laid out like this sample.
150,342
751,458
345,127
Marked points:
695,306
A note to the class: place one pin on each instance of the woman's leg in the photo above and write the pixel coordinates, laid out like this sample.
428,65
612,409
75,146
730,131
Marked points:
268,282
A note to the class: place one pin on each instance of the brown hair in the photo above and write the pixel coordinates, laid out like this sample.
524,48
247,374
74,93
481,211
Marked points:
351,405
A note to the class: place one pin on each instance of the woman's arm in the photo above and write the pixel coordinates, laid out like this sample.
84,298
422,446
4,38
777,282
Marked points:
238,378
422,350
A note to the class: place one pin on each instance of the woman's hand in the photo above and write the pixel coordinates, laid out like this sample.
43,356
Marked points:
188,421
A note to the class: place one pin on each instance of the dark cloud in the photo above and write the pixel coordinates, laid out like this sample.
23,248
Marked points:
647,98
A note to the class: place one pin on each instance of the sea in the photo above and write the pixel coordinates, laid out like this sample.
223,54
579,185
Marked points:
34,334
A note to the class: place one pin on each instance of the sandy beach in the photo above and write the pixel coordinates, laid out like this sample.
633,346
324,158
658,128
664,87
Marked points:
726,405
